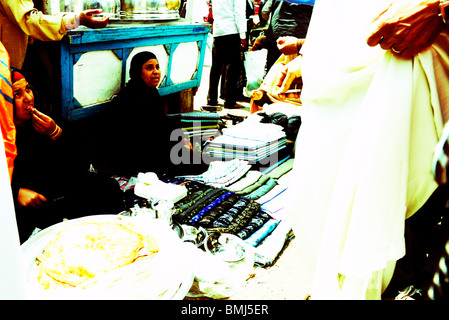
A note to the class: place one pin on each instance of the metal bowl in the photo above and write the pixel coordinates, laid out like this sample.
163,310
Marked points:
226,246
150,9
108,6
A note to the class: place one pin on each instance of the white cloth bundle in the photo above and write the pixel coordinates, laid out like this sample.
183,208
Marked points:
370,122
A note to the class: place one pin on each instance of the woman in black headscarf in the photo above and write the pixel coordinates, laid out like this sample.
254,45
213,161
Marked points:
136,136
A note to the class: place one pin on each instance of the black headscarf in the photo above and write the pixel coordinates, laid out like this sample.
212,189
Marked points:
137,133
137,96
137,62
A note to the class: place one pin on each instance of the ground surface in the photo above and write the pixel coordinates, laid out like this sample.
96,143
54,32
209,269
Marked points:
286,279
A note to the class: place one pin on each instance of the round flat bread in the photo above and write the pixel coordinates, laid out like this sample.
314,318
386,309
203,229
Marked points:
83,251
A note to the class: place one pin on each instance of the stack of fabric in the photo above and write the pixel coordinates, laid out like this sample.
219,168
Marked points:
198,126
247,204
251,141
222,173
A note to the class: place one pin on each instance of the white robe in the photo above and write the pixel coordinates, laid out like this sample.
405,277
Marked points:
370,122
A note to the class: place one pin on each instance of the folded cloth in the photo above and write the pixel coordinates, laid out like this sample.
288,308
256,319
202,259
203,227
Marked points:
276,205
194,220
261,181
248,179
238,221
195,192
199,122
263,189
207,220
226,219
196,115
222,173
269,249
191,211
244,218
278,189
281,169
251,130
257,237
195,126
254,224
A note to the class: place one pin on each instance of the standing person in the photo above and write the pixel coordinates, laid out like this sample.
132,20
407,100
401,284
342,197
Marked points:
409,28
229,33
19,20
7,111
360,170
289,18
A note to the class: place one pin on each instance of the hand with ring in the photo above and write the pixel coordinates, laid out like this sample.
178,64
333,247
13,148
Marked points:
406,27
291,74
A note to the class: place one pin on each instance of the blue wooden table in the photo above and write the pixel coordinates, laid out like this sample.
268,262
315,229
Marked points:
95,63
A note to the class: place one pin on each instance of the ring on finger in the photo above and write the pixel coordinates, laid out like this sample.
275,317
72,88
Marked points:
395,50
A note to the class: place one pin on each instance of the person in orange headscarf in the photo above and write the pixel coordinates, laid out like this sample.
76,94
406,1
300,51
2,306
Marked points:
48,184
6,110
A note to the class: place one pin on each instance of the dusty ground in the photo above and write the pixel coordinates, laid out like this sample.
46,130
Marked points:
285,280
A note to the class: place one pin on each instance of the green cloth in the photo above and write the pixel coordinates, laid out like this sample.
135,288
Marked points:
262,190
261,181
279,171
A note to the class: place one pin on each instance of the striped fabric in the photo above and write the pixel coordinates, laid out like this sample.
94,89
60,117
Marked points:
6,110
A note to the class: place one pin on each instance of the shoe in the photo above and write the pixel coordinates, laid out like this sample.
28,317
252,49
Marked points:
411,293
212,103
235,106
212,108
243,98
440,161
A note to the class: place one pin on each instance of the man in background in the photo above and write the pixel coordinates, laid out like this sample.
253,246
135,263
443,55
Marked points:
230,27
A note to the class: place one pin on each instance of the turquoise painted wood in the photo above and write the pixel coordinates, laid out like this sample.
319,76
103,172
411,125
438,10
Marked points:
121,39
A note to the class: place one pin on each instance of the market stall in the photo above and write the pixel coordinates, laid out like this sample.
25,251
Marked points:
94,63
187,236
211,231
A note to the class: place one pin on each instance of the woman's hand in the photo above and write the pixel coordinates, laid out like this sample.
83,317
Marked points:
289,75
407,27
43,123
289,45
30,198
87,19
259,43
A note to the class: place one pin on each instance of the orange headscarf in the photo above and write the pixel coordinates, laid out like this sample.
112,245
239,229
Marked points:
7,110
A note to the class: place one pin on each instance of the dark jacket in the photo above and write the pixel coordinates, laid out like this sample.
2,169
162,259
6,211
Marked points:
288,19
136,133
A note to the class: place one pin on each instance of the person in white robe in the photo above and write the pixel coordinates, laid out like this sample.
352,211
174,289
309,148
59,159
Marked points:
371,117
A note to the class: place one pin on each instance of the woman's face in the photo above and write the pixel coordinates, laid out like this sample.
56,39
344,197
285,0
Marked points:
151,73
23,101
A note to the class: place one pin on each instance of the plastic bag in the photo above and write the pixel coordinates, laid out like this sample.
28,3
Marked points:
254,63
